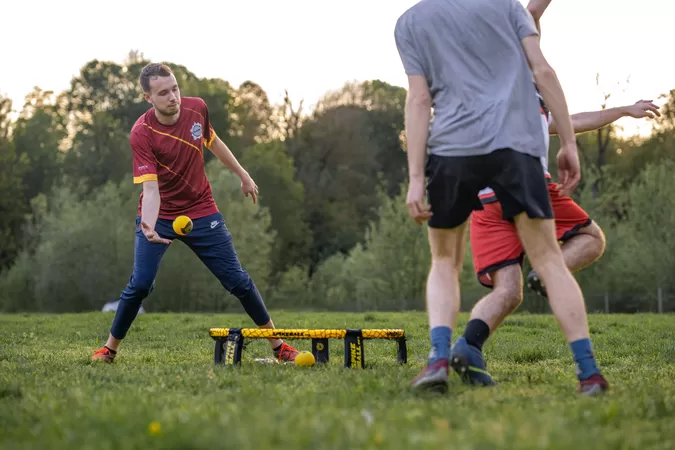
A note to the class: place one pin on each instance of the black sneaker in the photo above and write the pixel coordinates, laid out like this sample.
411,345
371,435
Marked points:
534,283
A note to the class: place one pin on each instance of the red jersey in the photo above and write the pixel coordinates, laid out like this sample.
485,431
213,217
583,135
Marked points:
173,155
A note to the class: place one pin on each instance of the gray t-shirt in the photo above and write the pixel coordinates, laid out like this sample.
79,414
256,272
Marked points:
482,88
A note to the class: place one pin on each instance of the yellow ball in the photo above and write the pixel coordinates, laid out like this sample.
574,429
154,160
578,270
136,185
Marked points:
304,359
182,225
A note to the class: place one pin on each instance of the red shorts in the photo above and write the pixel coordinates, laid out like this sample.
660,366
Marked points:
495,242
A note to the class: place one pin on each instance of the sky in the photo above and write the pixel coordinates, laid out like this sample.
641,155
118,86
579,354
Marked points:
313,46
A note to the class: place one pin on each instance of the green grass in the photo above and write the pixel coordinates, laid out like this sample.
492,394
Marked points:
52,396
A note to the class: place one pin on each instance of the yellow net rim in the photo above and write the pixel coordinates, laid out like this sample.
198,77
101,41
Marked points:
293,333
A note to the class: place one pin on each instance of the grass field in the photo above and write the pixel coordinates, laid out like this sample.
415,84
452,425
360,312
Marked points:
163,391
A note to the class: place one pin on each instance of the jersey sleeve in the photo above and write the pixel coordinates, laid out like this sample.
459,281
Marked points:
145,163
409,54
523,22
209,133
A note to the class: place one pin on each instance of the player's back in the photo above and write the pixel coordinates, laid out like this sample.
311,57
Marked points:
481,84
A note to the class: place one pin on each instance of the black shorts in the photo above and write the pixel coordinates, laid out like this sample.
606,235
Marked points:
453,183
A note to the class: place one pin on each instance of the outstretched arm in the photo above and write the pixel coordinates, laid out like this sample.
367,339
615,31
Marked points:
592,120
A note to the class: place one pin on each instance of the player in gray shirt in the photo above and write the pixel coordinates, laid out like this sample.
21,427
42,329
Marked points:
475,63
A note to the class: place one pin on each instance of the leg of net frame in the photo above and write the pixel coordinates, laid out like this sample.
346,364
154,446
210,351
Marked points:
228,350
402,353
320,350
354,356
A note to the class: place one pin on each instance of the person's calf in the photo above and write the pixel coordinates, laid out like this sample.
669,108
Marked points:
505,297
565,297
442,293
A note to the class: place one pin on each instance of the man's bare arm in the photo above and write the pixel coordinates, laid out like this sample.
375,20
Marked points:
550,89
150,204
417,116
150,212
592,120
224,154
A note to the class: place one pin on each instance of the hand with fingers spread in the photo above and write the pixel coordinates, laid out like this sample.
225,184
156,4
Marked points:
248,187
569,169
417,209
641,109
152,236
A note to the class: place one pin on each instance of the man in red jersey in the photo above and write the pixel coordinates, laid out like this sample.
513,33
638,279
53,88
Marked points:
167,144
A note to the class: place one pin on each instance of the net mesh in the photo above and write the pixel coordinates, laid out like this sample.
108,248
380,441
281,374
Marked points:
290,333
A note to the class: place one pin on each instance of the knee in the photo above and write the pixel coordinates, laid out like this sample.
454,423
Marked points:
239,284
599,240
447,264
139,288
511,295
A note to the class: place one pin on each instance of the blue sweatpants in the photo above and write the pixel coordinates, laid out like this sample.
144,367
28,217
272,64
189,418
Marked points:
212,243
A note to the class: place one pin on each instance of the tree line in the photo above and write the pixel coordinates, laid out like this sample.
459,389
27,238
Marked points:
330,231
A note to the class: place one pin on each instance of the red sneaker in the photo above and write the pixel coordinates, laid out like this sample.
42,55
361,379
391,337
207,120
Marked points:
434,377
594,385
286,353
104,354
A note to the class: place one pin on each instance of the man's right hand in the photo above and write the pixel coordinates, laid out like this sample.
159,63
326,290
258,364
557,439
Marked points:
569,169
152,236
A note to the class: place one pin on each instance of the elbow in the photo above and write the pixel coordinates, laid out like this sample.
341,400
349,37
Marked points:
543,72
420,100
536,14
151,189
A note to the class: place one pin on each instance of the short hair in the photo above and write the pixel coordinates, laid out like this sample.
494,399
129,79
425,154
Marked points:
153,70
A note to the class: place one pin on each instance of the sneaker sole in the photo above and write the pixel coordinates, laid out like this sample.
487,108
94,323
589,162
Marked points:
593,391
461,366
438,386
535,285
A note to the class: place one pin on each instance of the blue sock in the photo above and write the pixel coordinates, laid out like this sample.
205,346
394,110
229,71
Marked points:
583,355
440,344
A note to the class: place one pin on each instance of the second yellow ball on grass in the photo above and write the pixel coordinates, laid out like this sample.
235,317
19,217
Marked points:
304,359
182,225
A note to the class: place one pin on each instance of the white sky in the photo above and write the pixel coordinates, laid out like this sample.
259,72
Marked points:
311,46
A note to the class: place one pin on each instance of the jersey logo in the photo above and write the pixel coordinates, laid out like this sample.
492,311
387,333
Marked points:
196,131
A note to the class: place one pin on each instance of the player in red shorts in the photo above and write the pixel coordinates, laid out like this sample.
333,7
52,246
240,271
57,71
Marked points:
167,143
498,252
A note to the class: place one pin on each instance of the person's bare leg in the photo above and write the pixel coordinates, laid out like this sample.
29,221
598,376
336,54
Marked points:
442,296
113,343
505,297
447,255
274,343
466,355
565,296
585,248
579,252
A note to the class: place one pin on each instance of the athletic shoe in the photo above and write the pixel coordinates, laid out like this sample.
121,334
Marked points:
534,283
104,354
286,353
595,385
469,364
434,377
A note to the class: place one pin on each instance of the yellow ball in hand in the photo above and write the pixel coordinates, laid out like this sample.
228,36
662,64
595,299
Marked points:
304,359
182,225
